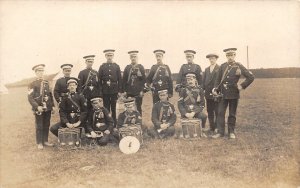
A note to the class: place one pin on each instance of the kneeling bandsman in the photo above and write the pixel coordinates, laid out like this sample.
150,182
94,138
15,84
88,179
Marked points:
72,109
191,102
130,116
163,117
100,123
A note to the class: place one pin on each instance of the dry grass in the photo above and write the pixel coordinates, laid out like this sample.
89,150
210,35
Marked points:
265,154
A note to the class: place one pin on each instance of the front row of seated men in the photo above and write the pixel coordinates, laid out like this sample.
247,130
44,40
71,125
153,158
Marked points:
73,113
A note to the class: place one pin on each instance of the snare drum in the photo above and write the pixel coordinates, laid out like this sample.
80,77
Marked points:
190,128
69,137
131,139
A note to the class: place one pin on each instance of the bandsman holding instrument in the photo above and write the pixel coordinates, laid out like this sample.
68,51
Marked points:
209,78
163,117
227,84
88,83
61,86
72,109
41,99
110,80
160,77
134,80
189,67
130,116
191,102
99,122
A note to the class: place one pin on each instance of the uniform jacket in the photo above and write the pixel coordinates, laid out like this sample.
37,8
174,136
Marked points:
163,112
88,83
39,91
134,79
60,88
229,87
129,118
189,68
191,100
209,81
100,120
72,108
160,78
110,80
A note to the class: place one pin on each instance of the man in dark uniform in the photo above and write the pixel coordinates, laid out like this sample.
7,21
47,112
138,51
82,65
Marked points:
61,88
41,99
163,117
88,83
72,109
227,83
191,102
209,78
160,77
189,67
99,121
134,79
130,116
110,82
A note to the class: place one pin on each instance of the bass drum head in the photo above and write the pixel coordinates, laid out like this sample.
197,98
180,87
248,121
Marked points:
129,145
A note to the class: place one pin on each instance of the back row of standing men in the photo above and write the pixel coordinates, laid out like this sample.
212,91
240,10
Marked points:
108,83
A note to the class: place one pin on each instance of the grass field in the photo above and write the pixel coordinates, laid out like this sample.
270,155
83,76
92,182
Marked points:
265,153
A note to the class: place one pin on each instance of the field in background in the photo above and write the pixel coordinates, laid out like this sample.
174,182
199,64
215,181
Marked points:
265,153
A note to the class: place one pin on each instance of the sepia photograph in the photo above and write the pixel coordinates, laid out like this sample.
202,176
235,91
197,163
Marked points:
142,94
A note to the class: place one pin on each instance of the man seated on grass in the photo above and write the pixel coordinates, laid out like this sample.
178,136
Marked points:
163,117
130,117
100,123
191,102
72,109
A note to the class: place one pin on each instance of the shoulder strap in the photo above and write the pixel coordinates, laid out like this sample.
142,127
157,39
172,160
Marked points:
224,75
156,72
75,103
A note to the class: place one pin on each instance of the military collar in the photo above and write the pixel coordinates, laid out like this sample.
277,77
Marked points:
190,63
129,113
166,103
98,110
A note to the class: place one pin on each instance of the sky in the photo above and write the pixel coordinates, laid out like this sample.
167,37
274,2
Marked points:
58,32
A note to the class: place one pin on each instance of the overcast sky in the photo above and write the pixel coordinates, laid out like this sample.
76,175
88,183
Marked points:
56,32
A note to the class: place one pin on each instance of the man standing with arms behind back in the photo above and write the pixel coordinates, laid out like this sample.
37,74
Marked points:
227,83
134,80
110,81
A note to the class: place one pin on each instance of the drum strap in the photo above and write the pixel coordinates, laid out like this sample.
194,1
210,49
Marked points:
226,72
75,103
127,116
157,70
161,113
189,96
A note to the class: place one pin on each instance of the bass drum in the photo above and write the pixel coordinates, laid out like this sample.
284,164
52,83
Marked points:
131,139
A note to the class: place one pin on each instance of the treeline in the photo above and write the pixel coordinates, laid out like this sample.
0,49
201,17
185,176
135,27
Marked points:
289,72
25,82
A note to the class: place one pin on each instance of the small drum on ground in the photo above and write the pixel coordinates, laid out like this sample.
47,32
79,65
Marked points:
190,128
131,139
69,137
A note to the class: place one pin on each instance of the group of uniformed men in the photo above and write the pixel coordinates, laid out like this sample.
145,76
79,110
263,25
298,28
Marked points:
89,101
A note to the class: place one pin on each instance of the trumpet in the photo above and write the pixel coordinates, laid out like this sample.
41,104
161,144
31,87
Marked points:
44,106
